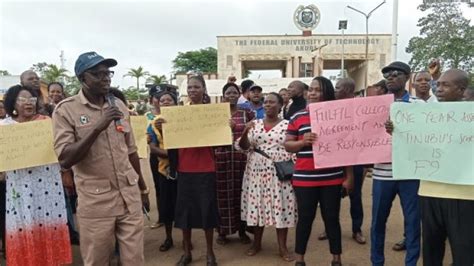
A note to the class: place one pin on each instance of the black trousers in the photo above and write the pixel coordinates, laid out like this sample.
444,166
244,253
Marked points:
357,211
450,219
156,177
329,198
167,202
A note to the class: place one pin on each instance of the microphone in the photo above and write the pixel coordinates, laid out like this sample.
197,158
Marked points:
118,122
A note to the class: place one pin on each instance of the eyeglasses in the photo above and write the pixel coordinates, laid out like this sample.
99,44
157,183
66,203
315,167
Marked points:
102,74
393,73
23,100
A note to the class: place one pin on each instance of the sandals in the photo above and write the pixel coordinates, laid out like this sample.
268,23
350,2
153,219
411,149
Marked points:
156,225
287,257
399,246
253,251
211,261
223,240
185,260
322,236
359,238
166,245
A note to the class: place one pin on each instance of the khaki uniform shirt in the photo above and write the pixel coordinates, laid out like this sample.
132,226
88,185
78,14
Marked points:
107,184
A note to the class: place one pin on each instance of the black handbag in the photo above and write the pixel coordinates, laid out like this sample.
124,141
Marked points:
284,169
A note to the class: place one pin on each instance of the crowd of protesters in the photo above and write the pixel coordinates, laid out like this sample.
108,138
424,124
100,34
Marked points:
228,189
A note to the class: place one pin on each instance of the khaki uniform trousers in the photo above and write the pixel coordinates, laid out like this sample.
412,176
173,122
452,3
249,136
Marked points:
99,235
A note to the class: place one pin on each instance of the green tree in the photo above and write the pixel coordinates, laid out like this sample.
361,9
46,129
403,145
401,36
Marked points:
4,73
156,80
137,73
72,85
53,73
132,94
445,34
40,68
203,60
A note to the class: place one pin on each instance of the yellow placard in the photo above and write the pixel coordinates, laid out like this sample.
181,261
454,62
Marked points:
199,125
26,145
139,125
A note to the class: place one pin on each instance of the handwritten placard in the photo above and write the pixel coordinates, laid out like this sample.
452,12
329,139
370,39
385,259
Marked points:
351,131
139,125
434,141
26,145
199,125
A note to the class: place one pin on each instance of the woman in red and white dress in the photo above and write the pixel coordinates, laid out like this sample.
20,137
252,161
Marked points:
36,221
267,201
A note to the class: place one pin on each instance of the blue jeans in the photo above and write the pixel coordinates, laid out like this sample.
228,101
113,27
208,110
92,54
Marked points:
357,212
383,194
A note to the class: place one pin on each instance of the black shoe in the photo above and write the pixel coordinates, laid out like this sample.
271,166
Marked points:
166,245
211,261
300,263
185,260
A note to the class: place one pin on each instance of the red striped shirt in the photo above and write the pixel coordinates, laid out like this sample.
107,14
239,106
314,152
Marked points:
305,175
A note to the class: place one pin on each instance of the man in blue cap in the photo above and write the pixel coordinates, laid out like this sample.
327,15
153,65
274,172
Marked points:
88,139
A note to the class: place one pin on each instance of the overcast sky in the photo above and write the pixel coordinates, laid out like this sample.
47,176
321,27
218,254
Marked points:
151,33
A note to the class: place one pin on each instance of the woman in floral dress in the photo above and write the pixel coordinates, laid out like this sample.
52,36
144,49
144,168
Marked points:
267,201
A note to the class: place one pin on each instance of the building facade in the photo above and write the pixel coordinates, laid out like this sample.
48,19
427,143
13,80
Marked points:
304,56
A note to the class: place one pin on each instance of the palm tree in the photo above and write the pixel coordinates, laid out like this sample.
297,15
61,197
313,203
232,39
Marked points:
54,73
137,73
156,80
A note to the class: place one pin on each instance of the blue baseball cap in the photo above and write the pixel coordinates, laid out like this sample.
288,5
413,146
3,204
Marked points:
91,59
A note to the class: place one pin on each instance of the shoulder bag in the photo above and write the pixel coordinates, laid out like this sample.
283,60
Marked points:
284,169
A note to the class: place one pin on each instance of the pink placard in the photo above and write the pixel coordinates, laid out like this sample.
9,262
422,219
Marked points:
351,131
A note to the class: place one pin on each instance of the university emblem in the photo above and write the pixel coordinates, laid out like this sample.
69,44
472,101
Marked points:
307,17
